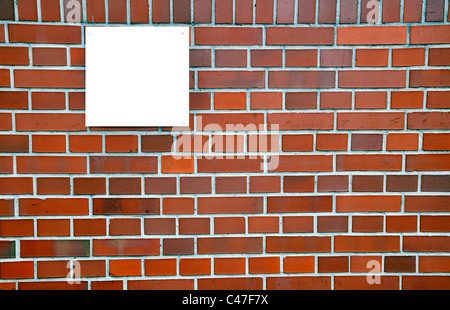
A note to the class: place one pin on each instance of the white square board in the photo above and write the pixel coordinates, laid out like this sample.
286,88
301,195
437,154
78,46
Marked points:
137,76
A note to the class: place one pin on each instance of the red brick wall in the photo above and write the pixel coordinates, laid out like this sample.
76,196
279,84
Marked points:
357,119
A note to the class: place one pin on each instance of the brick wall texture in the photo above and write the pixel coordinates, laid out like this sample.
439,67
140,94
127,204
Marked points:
356,113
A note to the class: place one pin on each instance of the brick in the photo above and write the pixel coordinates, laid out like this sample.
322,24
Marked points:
265,224
228,36
298,224
370,121
332,183
264,12
52,269
85,143
231,79
125,267
51,34
89,227
194,226
230,101
216,165
160,185
298,244
301,121
364,244
200,58
178,206
160,267
139,11
301,79
391,12
327,11
332,224
264,184
229,265
367,224
429,120
14,100
299,264
435,34
125,206
201,266
43,56
16,228
298,143
439,56
360,283
229,225
336,58
266,58
252,283
53,227
331,142
53,206
427,203
372,57
372,79
408,57
53,186
125,247
49,144
230,58
401,223
367,142
306,11
304,163
429,78
435,183
28,10
436,141
195,185
301,58
95,11
266,100
371,100
124,186
14,144
229,245
412,11
348,12
231,185
333,264
368,162
121,144
49,122
202,11
14,56
93,268
299,283
435,11
107,285
224,12
299,204
124,227
401,183
199,101
161,11
178,246
5,78
428,162
182,11
367,183
434,223
426,244
298,184
243,11
426,282
48,100
123,164
117,11
77,101
7,249
51,164
216,205
300,100
372,35
6,164
7,10
264,265
49,78
368,203
300,36
406,100
285,12
54,248
6,207
17,270
434,263
438,99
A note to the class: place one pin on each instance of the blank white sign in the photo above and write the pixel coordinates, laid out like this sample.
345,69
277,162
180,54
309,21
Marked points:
137,76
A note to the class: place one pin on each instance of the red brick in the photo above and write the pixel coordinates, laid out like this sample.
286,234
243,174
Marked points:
370,100
266,58
50,11
49,78
298,184
301,121
6,207
426,282
438,99
336,57
306,11
401,183
107,285
435,11
85,144
333,264
48,100
368,203
401,223
243,11
301,100
252,283
5,80
96,11
194,226
195,185
264,265
367,142
367,244
49,56
28,10
406,100
408,57
264,12
89,227
77,101
178,206
17,270
224,12
426,244
6,164
196,266
372,79
231,185
182,11
16,228
160,267
285,11
199,101
29,33
434,223
367,183
229,225
391,12
231,79
300,36
439,56
370,121
160,185
301,58
332,224
53,227
178,246
429,78
161,11
371,35
231,58
125,247
7,249
51,164
428,162
14,100
369,162
14,144
304,163
360,283
327,11
298,244
50,122
216,205
53,186
228,36
202,11
301,79
412,11
429,120
124,226
332,183
435,34
117,11
331,142
125,267
427,204
299,264
225,265
230,101
54,248
53,269
372,57
298,224
434,264
126,206
263,224
436,141
402,142
123,164
200,58
367,224
13,55
299,204
229,245
53,206
49,143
